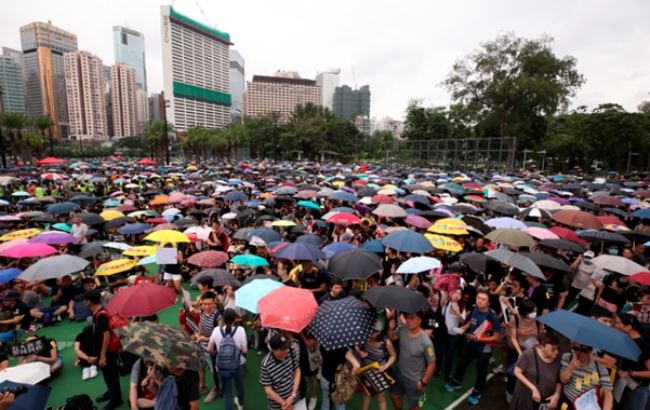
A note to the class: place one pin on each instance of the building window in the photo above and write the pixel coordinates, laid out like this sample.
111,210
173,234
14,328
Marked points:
125,39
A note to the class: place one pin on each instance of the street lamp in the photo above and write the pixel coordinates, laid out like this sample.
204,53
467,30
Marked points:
629,160
526,151
543,159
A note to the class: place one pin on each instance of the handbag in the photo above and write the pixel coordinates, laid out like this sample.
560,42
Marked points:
607,305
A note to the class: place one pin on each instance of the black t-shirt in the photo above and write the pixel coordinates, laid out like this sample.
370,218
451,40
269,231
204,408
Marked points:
542,299
429,319
188,388
85,344
48,345
387,263
555,286
20,309
221,236
332,360
638,366
66,296
101,325
313,280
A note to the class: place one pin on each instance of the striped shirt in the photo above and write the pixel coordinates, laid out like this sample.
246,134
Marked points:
208,323
583,379
279,375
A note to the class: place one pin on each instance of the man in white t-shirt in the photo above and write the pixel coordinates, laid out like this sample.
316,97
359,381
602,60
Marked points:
79,230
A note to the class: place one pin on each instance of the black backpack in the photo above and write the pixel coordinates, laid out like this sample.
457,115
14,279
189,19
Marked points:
79,402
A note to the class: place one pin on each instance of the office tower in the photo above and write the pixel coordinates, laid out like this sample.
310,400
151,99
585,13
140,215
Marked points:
143,110
328,81
156,106
348,102
86,95
129,49
12,80
43,46
109,105
237,83
124,101
280,93
196,73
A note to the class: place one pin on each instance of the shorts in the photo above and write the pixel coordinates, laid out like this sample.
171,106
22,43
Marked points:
406,387
172,276
59,361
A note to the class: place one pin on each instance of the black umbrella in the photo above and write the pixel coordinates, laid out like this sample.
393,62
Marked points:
310,239
44,219
480,263
588,205
245,213
90,218
562,244
185,223
366,192
199,213
220,277
463,209
117,222
334,320
433,214
396,298
354,263
87,253
298,229
603,237
536,213
242,233
502,208
636,236
543,260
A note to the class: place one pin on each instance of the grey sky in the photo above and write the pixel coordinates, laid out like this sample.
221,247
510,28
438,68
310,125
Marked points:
401,49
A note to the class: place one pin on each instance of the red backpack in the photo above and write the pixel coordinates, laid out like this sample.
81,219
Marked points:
114,322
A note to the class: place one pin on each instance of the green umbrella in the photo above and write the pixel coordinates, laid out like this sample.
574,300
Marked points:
535,225
164,345
62,227
249,260
308,204
510,237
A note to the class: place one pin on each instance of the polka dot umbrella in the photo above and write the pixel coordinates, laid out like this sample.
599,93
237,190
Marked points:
342,323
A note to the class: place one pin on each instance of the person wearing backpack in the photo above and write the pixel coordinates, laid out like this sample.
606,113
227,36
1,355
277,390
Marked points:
378,349
230,344
105,350
332,359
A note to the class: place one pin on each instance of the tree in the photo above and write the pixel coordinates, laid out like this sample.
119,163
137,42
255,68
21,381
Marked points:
44,122
33,141
155,132
15,121
196,135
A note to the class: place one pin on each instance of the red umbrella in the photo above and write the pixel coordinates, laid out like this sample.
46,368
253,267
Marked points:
208,259
382,199
157,221
607,200
288,308
147,161
641,277
126,208
610,220
142,300
418,221
361,182
567,234
50,161
578,219
344,218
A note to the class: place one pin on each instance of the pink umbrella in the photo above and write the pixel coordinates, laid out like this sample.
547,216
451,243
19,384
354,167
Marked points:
9,218
11,244
188,202
306,194
30,250
344,218
117,193
559,200
288,308
540,233
164,226
418,221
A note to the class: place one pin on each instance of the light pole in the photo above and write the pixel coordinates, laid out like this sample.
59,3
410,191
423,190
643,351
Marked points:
629,160
543,159
526,151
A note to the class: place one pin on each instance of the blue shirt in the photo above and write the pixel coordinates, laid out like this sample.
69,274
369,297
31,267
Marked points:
328,296
477,319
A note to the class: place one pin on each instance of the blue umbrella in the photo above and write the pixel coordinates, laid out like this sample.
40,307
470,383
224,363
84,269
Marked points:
35,399
267,235
62,208
407,241
374,246
9,274
343,196
235,196
589,332
642,213
83,200
133,229
248,295
334,319
343,209
336,247
413,211
616,211
310,239
299,252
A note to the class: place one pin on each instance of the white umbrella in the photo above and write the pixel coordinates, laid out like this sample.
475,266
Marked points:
117,245
618,264
30,373
54,267
171,211
419,264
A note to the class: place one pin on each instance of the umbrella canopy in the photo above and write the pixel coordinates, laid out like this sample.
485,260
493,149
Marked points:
53,238
140,251
265,234
336,247
123,220
481,263
407,241
9,274
578,219
590,332
641,277
603,237
391,211
62,208
418,221
116,266
419,264
562,244
343,323
309,204
448,226
142,300
511,237
299,252
37,395
506,223
310,239
220,277
397,298
618,264
444,243
568,234
30,250
516,261
164,345
208,259
54,267
288,308
249,260
545,261
23,233
344,218
250,294
133,229
540,233
34,372
167,236
354,263
89,219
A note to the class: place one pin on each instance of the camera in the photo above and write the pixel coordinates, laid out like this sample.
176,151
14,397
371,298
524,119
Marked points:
16,390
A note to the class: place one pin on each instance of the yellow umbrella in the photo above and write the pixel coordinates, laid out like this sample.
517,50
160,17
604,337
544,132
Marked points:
390,186
167,236
451,221
283,223
443,243
24,233
338,183
113,267
447,228
191,168
110,215
140,251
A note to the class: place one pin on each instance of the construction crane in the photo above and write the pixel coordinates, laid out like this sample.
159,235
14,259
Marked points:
354,79
204,15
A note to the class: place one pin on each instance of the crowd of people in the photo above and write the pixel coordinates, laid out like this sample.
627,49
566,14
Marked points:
491,255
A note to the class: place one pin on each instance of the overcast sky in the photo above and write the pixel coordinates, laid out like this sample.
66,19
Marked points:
402,49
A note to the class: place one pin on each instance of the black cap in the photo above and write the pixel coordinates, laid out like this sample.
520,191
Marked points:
279,342
11,295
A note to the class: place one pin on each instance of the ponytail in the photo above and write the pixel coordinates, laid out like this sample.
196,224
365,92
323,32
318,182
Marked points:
229,317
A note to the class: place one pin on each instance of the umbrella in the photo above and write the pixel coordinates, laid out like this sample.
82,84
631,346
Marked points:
37,395
479,262
391,211
249,260
167,236
220,277
374,246
54,267
567,234
62,208
122,220
140,251
29,250
344,218
545,261
241,233
283,223
23,233
343,323
88,218
265,234
502,208
506,223
133,229
354,263
516,261
336,247
164,345
602,237
9,274
407,241
562,244
641,277
142,300
116,266
590,332
418,221
235,196
249,295
310,239
53,238
299,252
258,277
536,213
618,264
444,243
511,237
34,372
343,196
449,226
397,298
419,264
288,308
578,219
210,259
308,204
606,200
540,233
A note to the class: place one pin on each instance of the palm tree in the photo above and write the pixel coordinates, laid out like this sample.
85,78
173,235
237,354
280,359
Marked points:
15,121
44,122
155,132
195,136
216,141
33,140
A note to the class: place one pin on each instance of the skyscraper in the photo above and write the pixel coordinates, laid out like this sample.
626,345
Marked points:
124,101
156,106
142,99
348,102
43,46
237,83
328,81
12,80
280,93
196,74
86,95
129,49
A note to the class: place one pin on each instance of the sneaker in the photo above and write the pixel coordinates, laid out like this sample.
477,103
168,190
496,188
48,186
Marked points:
203,390
473,398
93,371
422,400
312,403
239,406
451,386
499,370
85,373
212,396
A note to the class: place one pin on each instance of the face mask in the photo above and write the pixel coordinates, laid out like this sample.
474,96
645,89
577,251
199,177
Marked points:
532,315
613,251
587,259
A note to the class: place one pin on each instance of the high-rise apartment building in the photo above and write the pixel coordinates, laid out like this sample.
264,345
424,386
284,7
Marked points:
196,71
143,110
280,93
156,106
348,102
328,81
129,49
237,83
12,80
86,95
124,100
43,46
